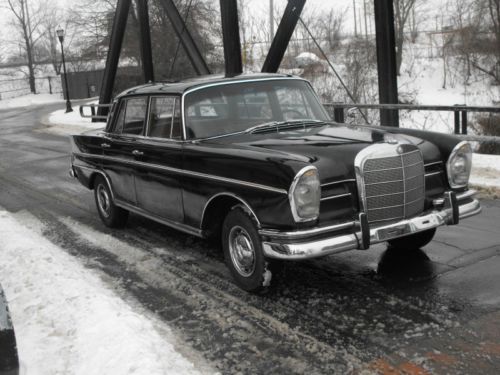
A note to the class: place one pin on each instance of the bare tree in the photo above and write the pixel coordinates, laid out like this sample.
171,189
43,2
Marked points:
28,18
488,62
404,11
477,33
330,26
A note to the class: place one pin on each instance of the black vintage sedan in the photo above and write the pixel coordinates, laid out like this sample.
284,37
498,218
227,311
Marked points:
256,161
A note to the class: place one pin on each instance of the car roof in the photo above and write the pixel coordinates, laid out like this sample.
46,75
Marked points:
179,87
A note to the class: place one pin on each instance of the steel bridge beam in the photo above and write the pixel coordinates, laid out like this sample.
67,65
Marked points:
283,35
145,40
115,46
231,37
187,41
386,61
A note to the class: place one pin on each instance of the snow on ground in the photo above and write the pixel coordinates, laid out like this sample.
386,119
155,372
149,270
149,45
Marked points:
68,321
61,122
485,170
29,100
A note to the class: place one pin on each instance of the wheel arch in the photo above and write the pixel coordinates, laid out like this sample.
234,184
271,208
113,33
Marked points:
93,177
218,206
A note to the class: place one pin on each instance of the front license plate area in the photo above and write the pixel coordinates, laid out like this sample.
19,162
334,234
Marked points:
392,232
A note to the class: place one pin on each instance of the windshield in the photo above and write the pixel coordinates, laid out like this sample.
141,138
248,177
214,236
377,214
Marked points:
236,107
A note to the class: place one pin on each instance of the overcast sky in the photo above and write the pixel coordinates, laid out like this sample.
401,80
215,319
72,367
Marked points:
257,6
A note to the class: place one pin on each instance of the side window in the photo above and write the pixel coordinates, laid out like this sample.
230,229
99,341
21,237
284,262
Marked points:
165,117
120,117
135,114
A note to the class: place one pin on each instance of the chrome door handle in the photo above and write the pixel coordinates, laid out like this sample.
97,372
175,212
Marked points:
137,153
105,145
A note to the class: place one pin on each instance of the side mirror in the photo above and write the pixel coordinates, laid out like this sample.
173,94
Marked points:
9,360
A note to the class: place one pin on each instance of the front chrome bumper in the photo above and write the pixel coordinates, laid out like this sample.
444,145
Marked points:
295,245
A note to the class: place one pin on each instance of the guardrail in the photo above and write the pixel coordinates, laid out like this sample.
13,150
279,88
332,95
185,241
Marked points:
460,111
93,110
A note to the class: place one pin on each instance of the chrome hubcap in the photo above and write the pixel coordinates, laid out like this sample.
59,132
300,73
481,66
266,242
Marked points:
103,200
242,251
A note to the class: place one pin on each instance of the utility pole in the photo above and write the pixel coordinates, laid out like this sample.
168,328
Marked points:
366,20
271,20
355,18
60,36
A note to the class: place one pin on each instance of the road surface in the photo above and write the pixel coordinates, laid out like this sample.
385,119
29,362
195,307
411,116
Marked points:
377,311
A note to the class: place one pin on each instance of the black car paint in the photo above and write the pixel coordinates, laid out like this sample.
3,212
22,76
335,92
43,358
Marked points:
9,361
172,179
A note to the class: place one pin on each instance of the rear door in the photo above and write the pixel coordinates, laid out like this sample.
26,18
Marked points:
158,182
118,147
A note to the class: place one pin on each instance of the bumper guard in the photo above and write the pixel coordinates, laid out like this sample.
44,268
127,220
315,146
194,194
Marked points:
295,245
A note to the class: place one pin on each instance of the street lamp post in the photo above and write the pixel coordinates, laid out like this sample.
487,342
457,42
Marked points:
60,35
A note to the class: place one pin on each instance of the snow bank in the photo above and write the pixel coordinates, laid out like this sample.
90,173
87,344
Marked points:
485,170
29,100
68,321
61,122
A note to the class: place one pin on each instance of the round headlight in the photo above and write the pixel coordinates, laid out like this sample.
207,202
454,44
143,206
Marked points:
459,165
305,195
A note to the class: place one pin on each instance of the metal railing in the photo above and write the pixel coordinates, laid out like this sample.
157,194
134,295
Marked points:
460,114
93,110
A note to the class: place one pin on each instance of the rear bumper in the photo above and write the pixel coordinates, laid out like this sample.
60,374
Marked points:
298,245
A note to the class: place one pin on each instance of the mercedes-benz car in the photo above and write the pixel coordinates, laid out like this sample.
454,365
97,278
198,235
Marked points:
256,161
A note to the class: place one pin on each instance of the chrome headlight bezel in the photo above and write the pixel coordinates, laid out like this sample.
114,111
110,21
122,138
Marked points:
461,152
306,176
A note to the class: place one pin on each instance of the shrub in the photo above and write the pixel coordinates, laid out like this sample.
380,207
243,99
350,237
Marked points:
488,125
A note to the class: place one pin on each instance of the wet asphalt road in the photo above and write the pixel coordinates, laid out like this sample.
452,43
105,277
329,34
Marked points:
378,311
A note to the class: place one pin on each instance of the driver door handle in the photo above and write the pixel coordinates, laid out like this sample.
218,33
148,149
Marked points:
105,145
137,153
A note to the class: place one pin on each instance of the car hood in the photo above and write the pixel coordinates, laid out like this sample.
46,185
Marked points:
330,148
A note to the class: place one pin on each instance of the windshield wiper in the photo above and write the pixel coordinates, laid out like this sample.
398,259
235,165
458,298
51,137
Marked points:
280,124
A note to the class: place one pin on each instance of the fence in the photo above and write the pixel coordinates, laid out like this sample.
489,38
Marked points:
14,87
461,123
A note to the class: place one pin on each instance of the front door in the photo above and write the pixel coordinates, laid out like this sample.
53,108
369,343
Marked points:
158,182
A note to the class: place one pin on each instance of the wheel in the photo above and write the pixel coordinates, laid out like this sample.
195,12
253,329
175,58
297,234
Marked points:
243,252
413,241
111,215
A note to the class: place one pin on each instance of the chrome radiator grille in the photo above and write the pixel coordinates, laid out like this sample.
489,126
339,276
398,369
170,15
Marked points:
391,181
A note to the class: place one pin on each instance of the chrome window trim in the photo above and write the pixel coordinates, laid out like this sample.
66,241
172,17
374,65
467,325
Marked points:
216,84
146,133
173,117
293,206
241,200
184,172
146,114
142,137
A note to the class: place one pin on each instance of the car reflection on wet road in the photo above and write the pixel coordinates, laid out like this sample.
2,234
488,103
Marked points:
435,310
